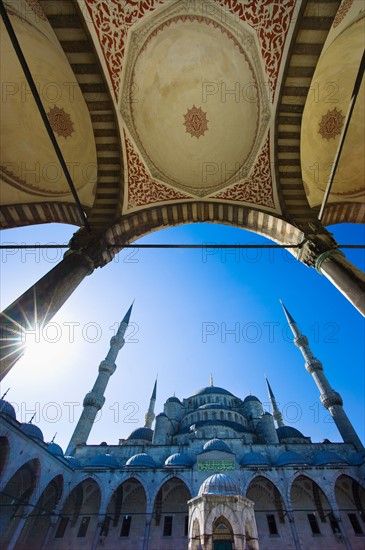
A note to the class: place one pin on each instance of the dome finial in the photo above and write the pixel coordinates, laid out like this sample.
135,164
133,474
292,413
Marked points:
53,438
4,394
211,379
31,420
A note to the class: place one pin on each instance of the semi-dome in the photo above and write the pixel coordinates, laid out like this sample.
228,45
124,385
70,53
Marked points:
6,408
291,458
251,398
73,462
328,457
288,431
219,484
173,399
254,459
33,431
179,460
55,449
216,445
141,433
212,389
141,460
102,461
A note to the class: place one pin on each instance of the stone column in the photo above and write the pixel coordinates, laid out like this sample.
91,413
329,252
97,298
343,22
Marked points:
147,528
40,302
321,251
294,531
345,276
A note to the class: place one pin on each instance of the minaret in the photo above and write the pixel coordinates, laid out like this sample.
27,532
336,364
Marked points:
330,399
94,400
150,415
275,409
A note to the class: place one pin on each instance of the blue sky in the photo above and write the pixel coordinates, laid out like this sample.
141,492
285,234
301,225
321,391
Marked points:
195,313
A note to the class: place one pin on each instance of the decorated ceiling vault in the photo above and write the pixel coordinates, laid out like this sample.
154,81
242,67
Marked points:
169,112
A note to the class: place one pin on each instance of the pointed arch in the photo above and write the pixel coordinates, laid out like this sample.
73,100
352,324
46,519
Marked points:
125,516
350,499
37,524
270,511
4,453
15,497
170,510
312,511
78,517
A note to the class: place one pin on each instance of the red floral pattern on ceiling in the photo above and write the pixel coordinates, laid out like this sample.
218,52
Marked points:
142,189
112,20
270,20
257,189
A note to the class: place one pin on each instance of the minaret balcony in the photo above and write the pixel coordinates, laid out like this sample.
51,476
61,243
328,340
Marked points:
313,365
94,400
329,399
108,367
301,341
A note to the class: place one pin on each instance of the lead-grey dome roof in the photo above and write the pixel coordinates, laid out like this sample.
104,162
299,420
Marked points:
141,433
254,459
219,484
179,459
251,398
103,461
212,389
32,430
289,458
7,408
288,431
55,449
216,445
141,460
328,457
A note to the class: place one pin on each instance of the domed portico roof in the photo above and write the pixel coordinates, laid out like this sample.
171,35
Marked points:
219,484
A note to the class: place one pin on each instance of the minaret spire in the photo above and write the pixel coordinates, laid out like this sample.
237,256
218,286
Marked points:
275,409
330,399
150,415
94,400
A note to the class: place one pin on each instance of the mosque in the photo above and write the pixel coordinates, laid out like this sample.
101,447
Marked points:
212,471
124,117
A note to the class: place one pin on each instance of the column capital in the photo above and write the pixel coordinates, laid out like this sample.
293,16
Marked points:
92,246
317,243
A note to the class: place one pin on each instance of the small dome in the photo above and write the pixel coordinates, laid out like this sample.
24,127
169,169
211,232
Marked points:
102,461
173,399
103,444
142,433
288,431
210,390
291,458
161,414
328,457
251,398
358,458
31,430
141,460
216,445
219,484
179,460
254,459
267,414
55,449
73,462
6,408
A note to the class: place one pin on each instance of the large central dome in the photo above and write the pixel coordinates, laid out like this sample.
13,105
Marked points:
212,389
